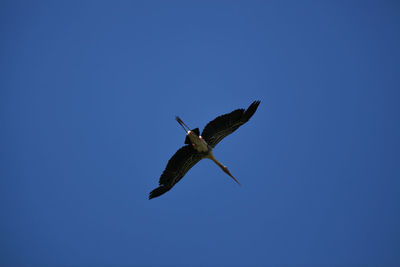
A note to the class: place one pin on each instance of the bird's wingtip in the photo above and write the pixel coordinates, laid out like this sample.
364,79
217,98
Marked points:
251,110
158,191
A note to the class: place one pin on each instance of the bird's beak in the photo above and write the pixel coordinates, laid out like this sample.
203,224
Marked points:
228,172
182,124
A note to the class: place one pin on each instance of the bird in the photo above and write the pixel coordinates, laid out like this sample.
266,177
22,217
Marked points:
198,147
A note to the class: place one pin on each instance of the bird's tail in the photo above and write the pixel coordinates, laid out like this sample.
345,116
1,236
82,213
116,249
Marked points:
158,191
250,111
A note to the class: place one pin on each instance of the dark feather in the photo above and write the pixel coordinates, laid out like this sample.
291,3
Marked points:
187,140
224,125
180,163
158,191
196,131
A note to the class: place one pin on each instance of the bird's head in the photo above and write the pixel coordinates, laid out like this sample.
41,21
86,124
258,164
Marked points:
192,133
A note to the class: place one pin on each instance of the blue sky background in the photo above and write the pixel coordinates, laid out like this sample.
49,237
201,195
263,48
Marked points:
89,91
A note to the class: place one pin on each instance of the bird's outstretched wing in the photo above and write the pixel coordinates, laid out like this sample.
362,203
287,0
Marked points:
180,163
220,127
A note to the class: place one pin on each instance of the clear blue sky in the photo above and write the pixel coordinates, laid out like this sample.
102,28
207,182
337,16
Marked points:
89,91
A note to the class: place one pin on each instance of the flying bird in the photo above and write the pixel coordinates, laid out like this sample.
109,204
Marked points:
201,146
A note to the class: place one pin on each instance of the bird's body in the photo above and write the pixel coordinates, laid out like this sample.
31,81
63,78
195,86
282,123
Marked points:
201,146
198,142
